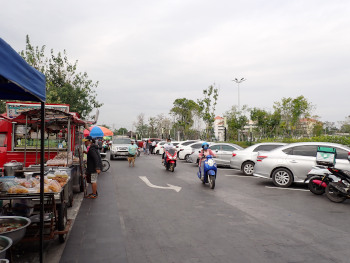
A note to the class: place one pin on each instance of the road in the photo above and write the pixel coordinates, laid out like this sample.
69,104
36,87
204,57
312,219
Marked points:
244,219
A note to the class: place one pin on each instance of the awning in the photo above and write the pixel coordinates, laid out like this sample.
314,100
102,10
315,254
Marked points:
19,80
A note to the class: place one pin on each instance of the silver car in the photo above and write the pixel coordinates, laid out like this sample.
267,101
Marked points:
223,152
291,163
245,159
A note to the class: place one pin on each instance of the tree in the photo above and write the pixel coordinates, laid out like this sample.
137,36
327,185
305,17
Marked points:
183,112
345,125
267,123
121,131
64,85
291,111
207,108
140,125
236,120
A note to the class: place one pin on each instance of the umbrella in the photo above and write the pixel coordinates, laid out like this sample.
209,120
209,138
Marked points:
97,131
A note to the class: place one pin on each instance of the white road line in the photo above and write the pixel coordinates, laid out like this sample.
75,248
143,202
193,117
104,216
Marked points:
236,175
291,189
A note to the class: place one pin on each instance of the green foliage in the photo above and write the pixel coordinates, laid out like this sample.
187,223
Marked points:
120,131
236,120
64,85
267,123
291,110
207,107
184,111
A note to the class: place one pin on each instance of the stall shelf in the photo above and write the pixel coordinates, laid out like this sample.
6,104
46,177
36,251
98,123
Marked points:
55,208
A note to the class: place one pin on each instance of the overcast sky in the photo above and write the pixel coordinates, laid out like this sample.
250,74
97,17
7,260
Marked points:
145,54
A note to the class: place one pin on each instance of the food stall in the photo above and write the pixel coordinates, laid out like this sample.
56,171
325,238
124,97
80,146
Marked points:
63,134
21,196
20,81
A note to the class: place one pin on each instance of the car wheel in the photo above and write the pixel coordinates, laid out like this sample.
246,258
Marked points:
248,168
187,158
111,157
157,152
282,177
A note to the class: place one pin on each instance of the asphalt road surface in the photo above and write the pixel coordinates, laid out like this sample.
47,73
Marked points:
244,219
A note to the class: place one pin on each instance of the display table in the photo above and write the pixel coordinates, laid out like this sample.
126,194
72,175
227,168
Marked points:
55,207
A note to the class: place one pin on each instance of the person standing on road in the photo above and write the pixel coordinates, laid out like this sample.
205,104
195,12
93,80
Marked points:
154,143
94,165
132,154
144,147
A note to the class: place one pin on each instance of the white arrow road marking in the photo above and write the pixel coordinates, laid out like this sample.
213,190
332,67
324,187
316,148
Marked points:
170,186
290,189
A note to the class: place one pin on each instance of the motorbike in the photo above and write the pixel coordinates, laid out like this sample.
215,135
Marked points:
170,160
208,171
339,190
318,179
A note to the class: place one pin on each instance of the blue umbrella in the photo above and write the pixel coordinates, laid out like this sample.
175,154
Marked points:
96,132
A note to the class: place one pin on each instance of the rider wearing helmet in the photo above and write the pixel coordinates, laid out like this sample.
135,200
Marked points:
205,152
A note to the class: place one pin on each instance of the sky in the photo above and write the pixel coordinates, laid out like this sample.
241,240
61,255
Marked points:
146,54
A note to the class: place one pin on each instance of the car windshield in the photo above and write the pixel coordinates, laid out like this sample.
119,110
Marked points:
121,141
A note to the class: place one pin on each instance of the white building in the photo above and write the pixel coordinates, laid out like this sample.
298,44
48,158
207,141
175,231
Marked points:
219,128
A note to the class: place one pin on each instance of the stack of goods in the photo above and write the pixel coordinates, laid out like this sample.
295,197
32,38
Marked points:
23,186
61,160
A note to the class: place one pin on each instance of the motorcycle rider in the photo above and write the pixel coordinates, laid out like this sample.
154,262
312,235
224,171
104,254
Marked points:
167,146
204,153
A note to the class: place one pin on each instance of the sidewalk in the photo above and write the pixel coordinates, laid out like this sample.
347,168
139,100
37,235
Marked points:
97,235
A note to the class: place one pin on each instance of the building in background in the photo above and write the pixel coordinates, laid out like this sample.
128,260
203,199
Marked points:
219,128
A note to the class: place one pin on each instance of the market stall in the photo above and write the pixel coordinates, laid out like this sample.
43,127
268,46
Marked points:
60,127
21,196
20,81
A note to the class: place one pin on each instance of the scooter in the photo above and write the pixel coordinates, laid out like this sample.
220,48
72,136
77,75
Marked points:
170,160
318,179
207,171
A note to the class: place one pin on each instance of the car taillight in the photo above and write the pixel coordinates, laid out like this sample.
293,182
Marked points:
234,154
181,149
260,158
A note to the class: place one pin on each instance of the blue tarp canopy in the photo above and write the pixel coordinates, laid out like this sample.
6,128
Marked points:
19,80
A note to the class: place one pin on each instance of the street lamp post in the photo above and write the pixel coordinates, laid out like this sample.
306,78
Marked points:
238,81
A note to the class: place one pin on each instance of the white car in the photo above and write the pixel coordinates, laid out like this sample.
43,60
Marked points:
159,148
186,151
245,159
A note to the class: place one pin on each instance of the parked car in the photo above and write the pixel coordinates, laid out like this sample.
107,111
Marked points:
185,152
181,145
223,153
245,159
157,149
161,150
292,162
119,147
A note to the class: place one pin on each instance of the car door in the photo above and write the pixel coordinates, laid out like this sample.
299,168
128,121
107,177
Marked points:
301,159
341,161
216,149
226,154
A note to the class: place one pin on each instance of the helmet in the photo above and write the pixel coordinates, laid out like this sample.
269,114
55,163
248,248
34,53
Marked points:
205,145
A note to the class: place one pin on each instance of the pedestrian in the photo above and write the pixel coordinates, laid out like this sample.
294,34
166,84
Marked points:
94,165
144,147
154,143
147,147
132,150
99,143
